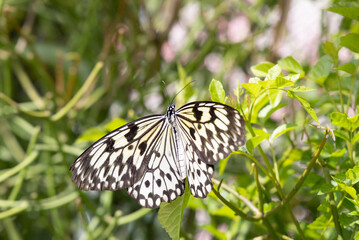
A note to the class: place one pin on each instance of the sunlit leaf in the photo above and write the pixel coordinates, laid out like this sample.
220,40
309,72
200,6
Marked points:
353,174
290,64
347,67
339,153
301,89
350,41
330,49
261,69
342,120
253,88
170,214
92,134
254,142
115,123
305,104
268,110
281,130
321,70
355,138
274,72
217,92
349,10
321,222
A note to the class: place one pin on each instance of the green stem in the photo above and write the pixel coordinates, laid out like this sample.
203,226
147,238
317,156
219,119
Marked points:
302,178
236,210
90,80
333,206
340,91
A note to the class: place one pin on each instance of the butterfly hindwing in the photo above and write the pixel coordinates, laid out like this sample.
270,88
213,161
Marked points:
161,181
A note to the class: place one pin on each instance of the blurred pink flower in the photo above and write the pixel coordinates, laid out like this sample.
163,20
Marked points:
177,37
345,55
189,14
303,26
238,29
213,62
167,52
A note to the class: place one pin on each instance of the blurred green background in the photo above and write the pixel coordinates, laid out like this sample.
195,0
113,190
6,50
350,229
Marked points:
72,67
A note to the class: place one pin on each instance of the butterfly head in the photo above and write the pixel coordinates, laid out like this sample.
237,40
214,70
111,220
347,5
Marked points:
171,110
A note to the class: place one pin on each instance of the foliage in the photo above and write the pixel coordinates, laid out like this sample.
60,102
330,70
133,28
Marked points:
73,71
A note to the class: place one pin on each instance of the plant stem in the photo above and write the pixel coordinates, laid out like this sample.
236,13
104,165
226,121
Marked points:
333,206
236,210
302,178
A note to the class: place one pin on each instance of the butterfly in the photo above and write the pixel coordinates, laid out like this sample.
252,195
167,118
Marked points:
152,156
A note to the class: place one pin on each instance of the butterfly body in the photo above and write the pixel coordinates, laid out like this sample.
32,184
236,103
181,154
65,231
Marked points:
153,155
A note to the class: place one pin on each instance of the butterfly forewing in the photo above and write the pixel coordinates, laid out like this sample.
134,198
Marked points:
115,161
215,129
150,155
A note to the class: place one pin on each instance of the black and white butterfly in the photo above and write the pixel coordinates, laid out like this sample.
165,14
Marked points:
153,155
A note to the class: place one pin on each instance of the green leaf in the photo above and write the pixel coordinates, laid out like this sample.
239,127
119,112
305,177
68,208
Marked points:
347,67
301,89
217,92
281,130
267,207
275,96
305,104
278,82
350,41
321,70
268,110
223,164
325,188
224,211
349,10
274,72
92,134
331,50
321,222
339,153
253,88
170,214
348,189
254,142
115,123
290,64
294,77
342,134
95,133
342,120
355,138
353,174
283,82
347,219
261,69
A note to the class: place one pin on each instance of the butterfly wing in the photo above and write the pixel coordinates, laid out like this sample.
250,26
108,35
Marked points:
139,156
161,182
118,159
210,131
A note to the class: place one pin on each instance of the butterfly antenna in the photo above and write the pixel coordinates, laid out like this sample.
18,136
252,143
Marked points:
164,83
181,90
